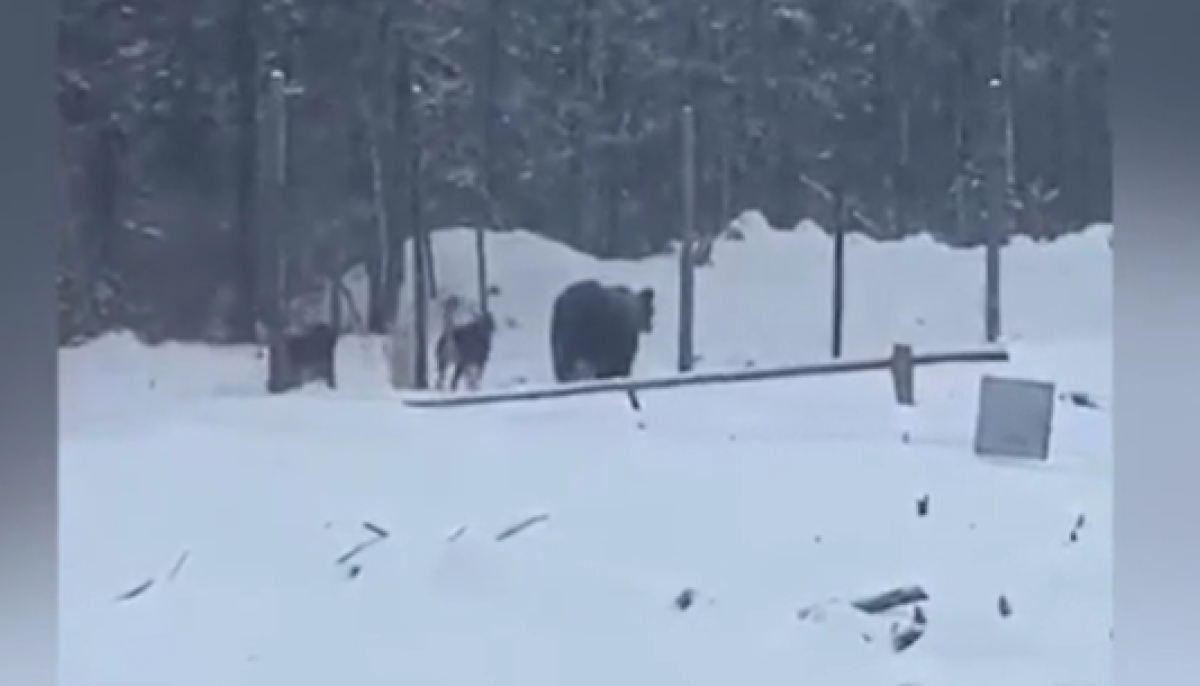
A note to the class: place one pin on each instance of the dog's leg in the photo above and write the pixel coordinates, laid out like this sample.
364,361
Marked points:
463,375
441,354
445,367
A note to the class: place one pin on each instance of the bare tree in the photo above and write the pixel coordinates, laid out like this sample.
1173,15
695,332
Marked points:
245,54
489,67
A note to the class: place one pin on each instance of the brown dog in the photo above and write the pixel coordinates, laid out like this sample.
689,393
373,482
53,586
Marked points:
464,346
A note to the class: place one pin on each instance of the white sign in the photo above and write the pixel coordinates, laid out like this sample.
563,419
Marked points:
1015,418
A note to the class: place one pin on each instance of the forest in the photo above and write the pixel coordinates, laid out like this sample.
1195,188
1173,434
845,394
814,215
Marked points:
188,163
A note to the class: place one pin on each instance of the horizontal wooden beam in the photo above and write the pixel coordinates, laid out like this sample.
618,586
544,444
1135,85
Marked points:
430,400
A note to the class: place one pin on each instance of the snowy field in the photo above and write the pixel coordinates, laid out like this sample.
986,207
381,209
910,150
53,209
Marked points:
215,537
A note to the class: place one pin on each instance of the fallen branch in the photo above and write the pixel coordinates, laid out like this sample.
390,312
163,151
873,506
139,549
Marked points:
876,604
376,529
379,535
136,591
890,600
146,585
904,638
1081,399
633,400
178,566
521,527
357,550
901,635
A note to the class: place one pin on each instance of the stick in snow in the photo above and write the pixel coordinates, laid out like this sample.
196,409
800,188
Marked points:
376,529
379,535
633,400
178,566
521,526
890,600
136,591
903,639
458,533
357,550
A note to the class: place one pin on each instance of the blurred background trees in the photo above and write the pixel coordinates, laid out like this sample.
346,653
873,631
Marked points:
557,116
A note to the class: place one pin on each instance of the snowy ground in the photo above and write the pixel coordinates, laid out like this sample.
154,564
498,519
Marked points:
224,514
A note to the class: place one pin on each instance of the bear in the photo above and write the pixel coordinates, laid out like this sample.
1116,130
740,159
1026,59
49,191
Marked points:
595,330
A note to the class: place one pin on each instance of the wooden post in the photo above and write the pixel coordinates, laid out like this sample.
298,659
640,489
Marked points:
336,314
420,274
903,375
997,210
276,178
840,217
407,124
687,271
273,258
489,53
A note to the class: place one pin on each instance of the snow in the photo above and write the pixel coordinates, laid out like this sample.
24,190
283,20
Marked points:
764,499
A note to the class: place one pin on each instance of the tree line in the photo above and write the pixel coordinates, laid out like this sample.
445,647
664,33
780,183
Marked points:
558,116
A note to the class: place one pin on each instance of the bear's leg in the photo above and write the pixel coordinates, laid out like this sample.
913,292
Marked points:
584,371
564,364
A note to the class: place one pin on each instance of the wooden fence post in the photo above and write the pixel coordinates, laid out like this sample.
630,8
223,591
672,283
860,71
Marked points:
271,242
903,374
997,210
840,216
687,267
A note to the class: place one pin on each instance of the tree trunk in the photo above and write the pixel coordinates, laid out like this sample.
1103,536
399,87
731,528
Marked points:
245,64
401,138
377,261
430,265
407,151
271,263
489,70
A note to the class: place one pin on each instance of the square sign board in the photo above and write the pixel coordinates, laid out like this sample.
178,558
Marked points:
1014,418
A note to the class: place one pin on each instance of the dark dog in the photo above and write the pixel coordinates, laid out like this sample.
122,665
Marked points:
308,356
595,330
464,346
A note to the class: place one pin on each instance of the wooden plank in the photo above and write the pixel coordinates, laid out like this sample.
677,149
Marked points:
697,379
903,378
